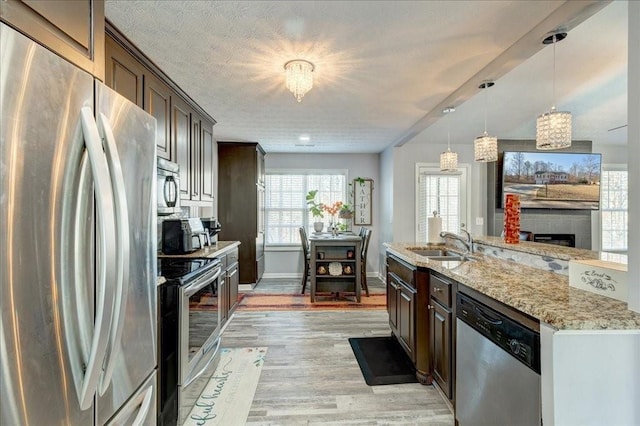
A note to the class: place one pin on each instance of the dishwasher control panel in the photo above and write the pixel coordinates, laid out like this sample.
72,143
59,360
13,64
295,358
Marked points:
513,337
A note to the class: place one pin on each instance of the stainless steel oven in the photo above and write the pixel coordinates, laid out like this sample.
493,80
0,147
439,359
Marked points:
190,325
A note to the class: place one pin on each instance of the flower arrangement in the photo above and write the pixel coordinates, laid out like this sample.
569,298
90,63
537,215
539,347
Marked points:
333,209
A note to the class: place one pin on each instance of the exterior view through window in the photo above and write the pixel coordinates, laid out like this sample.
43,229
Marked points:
614,215
442,192
286,206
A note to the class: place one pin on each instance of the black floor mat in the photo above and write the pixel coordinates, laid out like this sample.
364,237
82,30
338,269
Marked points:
382,361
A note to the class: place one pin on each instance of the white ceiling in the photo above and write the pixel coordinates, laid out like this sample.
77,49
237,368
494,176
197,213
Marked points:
385,69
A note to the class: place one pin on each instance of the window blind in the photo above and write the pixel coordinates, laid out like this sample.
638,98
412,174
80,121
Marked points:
438,192
613,209
286,207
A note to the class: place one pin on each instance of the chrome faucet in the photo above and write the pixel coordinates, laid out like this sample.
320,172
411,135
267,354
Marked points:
467,240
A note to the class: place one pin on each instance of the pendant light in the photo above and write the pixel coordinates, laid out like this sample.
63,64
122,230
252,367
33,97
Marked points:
485,147
553,128
448,159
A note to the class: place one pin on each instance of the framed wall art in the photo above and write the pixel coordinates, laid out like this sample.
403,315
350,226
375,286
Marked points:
363,200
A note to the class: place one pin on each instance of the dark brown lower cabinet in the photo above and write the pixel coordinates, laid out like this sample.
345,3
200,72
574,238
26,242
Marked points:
441,308
406,315
234,280
407,297
441,344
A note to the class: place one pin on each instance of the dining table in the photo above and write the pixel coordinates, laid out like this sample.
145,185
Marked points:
334,264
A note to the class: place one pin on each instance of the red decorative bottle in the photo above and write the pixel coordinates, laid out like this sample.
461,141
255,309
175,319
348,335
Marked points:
512,219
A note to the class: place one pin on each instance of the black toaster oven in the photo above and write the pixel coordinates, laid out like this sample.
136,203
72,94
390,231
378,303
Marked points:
181,236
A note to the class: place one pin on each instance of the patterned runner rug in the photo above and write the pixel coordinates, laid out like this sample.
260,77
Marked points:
294,302
227,398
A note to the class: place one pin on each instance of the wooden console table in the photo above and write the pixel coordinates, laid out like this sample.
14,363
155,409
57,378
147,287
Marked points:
335,264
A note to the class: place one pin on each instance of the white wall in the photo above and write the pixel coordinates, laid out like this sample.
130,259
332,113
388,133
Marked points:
572,394
281,262
386,203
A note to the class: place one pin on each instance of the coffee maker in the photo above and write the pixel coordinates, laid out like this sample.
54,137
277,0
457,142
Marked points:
212,227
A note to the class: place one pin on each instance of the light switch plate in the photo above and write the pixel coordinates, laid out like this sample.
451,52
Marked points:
479,221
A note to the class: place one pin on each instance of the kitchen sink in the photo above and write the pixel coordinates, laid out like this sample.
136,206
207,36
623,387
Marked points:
442,254
435,252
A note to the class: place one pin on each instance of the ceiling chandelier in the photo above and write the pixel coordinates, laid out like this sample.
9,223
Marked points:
299,77
485,147
448,159
553,128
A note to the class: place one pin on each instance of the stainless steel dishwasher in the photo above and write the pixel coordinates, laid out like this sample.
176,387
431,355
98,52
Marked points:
497,367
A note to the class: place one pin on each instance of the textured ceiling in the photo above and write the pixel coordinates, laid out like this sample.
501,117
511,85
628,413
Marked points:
382,69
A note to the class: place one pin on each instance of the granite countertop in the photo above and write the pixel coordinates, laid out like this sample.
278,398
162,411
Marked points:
210,251
540,294
550,250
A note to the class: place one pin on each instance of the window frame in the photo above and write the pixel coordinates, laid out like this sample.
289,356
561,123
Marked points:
464,199
612,168
309,225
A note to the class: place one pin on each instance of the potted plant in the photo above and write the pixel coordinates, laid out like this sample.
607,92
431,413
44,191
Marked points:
315,209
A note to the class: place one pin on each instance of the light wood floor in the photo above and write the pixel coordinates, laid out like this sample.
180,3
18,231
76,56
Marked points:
310,375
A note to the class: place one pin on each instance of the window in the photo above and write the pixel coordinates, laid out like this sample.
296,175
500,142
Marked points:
443,192
285,201
613,209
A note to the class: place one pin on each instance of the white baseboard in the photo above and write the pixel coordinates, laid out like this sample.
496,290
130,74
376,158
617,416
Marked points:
282,275
245,287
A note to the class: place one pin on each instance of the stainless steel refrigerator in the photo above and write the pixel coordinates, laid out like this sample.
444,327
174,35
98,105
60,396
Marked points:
78,245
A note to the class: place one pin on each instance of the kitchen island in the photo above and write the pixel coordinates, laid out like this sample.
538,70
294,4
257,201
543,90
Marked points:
590,344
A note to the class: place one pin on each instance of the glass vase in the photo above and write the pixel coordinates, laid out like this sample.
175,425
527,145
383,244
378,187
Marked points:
512,219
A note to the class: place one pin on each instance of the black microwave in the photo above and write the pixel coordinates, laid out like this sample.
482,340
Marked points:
168,187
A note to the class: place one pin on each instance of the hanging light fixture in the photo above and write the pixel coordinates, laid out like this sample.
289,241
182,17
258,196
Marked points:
553,128
299,77
485,147
448,159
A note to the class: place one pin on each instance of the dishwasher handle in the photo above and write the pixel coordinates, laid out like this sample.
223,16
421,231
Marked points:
485,316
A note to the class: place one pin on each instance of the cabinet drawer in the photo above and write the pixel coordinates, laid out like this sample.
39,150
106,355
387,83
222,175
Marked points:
232,257
402,270
441,290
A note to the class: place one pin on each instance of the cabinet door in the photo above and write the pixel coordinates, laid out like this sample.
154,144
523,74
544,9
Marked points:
123,72
260,179
440,320
393,290
207,187
223,298
195,164
234,281
406,320
180,140
260,240
157,102
74,29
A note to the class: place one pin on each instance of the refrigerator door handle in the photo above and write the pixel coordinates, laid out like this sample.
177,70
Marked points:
144,408
123,249
105,259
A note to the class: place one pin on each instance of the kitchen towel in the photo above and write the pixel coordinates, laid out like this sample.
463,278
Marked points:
434,227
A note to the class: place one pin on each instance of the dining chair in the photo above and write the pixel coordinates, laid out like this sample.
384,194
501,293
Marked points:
362,231
306,253
366,236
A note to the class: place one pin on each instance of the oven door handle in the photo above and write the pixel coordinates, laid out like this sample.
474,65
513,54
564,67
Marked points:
202,282
203,369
